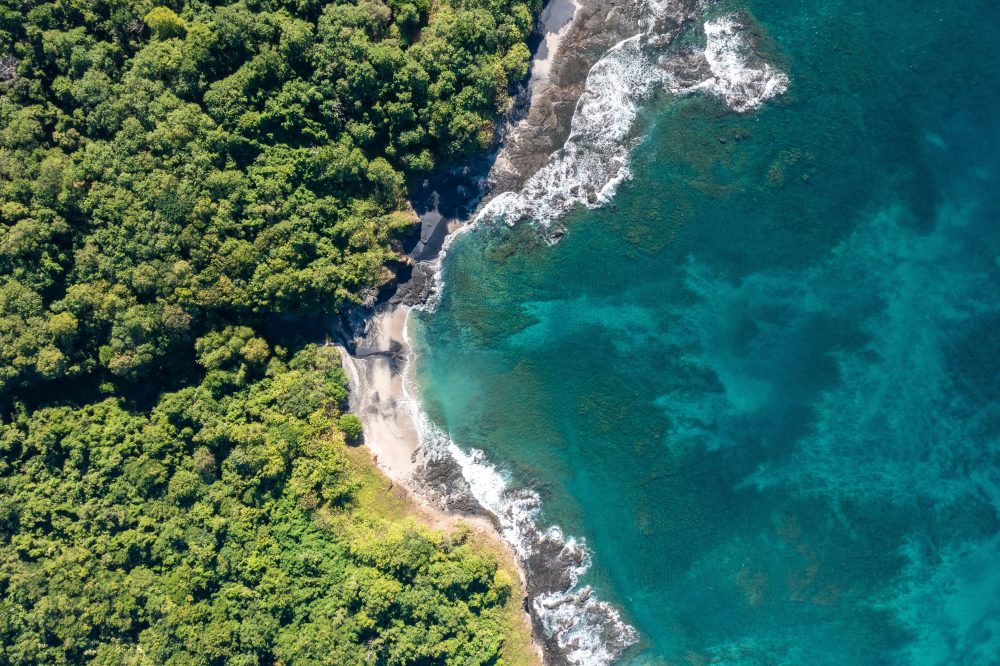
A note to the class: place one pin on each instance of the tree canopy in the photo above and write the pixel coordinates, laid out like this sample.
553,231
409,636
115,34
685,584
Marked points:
175,487
161,166
223,527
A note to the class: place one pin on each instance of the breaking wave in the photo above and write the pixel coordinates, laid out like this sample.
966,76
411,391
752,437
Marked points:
594,161
584,629
742,84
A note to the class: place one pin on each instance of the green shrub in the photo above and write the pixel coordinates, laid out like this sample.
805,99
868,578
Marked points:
350,425
165,23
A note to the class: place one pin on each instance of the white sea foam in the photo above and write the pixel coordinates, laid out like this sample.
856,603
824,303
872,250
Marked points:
744,85
515,510
437,271
588,631
594,161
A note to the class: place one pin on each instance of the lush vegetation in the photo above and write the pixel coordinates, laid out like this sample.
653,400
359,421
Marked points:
161,168
175,486
223,527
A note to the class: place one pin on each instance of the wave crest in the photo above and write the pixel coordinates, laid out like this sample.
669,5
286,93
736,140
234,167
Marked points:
744,84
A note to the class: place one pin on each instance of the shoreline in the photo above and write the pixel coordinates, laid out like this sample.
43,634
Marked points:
569,624
380,358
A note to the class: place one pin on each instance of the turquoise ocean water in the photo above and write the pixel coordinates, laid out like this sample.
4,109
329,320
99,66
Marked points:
764,383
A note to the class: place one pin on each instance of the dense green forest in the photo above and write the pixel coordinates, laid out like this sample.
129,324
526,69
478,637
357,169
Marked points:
175,485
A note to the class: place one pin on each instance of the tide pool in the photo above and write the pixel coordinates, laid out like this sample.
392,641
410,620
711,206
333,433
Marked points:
764,382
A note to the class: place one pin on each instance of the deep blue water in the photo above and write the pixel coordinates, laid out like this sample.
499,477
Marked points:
764,384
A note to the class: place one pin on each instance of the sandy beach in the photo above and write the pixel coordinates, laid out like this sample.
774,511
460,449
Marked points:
377,395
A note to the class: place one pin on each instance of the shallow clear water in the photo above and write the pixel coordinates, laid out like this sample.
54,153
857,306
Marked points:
763,384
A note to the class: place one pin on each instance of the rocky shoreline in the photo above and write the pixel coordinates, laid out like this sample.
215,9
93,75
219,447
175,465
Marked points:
595,27
573,35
